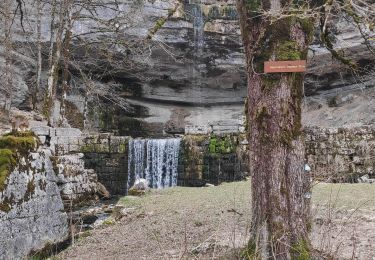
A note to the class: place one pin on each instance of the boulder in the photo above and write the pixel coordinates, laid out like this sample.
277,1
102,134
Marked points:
139,188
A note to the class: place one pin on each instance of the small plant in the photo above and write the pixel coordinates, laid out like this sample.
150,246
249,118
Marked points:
109,222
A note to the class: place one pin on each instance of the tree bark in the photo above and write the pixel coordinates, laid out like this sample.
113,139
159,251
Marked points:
39,59
280,186
8,81
66,60
54,60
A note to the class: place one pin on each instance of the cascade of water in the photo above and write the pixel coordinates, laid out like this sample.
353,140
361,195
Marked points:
155,160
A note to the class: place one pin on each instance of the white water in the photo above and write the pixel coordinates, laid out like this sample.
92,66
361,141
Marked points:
155,160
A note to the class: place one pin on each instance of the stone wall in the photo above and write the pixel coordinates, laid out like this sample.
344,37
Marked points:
76,181
107,155
213,159
341,154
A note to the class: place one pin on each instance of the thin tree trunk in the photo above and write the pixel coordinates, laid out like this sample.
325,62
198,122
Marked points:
85,107
39,61
8,84
280,187
66,59
54,63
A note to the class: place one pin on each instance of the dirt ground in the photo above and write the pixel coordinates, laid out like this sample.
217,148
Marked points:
210,222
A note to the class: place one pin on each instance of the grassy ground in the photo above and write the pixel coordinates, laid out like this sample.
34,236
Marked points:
207,223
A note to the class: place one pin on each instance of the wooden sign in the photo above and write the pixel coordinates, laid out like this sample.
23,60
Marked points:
285,66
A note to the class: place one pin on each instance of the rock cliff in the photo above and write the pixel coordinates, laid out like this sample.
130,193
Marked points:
184,66
31,209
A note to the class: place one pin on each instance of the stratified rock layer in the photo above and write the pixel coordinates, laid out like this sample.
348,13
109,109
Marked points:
190,72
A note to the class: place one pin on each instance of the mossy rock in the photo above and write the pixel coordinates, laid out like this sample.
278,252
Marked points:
136,192
6,160
11,146
21,144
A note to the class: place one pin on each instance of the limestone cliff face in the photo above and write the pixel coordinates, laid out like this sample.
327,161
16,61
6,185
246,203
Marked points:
32,212
43,185
191,71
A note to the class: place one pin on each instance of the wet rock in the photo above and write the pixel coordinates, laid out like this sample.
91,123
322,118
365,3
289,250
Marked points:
139,188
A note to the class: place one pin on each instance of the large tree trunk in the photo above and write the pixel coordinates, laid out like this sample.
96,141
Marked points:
280,187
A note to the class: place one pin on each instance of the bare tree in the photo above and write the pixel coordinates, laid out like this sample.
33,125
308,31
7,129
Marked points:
8,49
39,53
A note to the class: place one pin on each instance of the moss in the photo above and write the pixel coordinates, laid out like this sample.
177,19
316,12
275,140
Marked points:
253,5
30,189
288,50
109,221
308,27
22,144
159,23
250,252
6,161
221,144
246,111
94,148
10,146
122,148
5,206
212,145
85,234
269,81
301,251
21,134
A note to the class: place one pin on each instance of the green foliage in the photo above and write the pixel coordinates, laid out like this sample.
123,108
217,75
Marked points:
301,251
221,145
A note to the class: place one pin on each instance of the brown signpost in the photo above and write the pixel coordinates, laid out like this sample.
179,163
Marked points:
285,66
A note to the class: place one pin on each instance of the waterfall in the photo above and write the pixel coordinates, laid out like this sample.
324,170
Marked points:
155,160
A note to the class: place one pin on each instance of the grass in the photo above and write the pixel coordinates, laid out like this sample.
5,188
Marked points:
345,195
206,223
338,195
